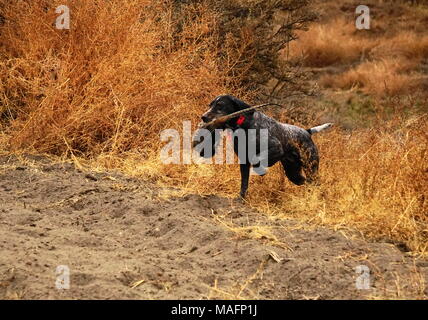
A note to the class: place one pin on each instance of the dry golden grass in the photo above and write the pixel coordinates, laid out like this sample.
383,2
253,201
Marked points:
406,44
330,44
112,82
380,65
380,78
101,93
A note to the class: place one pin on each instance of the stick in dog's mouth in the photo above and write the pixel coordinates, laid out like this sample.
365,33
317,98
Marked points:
214,124
217,122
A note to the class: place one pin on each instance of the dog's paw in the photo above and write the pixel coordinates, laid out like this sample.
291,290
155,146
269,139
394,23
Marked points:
239,202
259,170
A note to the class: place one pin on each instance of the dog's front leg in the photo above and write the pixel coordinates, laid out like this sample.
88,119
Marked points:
245,176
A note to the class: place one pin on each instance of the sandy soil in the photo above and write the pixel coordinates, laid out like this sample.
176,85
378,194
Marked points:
121,239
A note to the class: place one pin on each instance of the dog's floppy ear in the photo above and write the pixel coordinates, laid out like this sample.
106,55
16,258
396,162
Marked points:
240,121
239,104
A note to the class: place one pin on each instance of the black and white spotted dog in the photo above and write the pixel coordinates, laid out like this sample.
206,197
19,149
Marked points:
291,145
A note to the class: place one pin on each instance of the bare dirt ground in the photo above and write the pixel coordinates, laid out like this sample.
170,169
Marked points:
122,239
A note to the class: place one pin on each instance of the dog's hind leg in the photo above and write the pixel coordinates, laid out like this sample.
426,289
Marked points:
267,158
293,168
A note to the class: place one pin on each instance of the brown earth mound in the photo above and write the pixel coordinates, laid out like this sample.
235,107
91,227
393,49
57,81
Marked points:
122,239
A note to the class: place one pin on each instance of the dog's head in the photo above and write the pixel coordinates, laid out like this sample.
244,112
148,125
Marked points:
222,106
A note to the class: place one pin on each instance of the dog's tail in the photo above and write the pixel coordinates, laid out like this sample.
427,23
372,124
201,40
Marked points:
319,128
